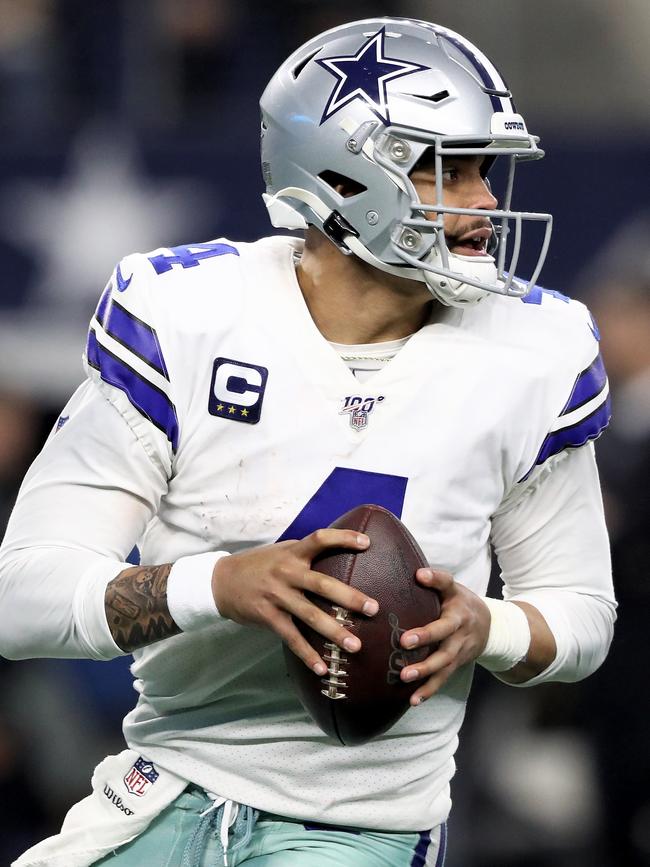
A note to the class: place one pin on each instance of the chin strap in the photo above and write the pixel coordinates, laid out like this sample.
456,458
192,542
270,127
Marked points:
355,246
284,216
449,291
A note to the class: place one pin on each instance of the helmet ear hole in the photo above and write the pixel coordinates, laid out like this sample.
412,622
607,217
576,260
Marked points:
344,186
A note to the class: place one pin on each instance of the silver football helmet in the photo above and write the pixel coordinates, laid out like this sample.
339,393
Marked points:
361,103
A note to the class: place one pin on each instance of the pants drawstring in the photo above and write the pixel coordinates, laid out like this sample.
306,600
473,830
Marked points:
222,814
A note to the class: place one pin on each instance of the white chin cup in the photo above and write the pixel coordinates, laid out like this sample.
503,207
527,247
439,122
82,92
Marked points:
456,293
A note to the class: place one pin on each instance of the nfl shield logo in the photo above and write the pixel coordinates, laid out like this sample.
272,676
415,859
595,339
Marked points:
359,418
141,777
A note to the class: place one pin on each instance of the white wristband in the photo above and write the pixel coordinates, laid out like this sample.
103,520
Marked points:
189,591
509,636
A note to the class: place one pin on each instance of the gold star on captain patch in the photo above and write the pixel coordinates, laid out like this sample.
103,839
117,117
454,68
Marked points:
244,412
231,410
219,407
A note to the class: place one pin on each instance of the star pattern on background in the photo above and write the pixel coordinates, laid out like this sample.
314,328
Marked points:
75,228
103,207
364,76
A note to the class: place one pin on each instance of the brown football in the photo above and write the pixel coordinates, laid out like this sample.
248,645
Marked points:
362,694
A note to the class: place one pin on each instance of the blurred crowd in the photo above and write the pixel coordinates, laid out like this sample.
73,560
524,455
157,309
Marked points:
126,126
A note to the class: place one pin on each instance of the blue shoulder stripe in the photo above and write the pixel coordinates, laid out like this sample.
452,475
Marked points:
103,303
92,349
150,401
587,385
577,434
134,334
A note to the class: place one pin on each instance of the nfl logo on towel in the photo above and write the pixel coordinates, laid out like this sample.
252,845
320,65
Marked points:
141,777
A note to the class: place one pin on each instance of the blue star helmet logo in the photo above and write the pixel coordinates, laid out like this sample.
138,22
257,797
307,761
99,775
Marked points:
364,76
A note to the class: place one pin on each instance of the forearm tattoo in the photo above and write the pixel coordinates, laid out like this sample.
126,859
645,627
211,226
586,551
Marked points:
136,607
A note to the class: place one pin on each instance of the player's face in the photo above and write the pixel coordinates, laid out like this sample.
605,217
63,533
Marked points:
464,187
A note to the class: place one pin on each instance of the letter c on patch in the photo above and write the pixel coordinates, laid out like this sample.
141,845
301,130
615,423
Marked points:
237,384
237,390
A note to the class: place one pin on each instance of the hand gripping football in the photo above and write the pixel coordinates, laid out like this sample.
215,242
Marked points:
362,694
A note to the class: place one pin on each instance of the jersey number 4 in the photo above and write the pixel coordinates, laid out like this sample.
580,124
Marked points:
189,256
345,489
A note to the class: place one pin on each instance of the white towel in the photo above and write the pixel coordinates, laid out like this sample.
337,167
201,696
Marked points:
128,793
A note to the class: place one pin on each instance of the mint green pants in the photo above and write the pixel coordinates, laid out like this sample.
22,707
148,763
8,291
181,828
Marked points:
181,837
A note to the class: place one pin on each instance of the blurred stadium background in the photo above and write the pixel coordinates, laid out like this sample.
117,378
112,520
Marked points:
129,125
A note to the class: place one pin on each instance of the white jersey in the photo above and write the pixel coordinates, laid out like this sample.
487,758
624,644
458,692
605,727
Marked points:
217,417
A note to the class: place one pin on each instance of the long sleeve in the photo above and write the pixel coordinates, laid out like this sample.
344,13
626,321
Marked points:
84,504
552,547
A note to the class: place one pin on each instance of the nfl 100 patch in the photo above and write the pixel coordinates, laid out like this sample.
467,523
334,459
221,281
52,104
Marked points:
358,409
141,777
237,390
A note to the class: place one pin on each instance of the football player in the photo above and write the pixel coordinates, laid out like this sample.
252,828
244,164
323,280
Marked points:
240,397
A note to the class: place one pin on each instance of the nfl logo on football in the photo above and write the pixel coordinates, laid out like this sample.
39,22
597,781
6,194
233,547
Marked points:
358,409
141,777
